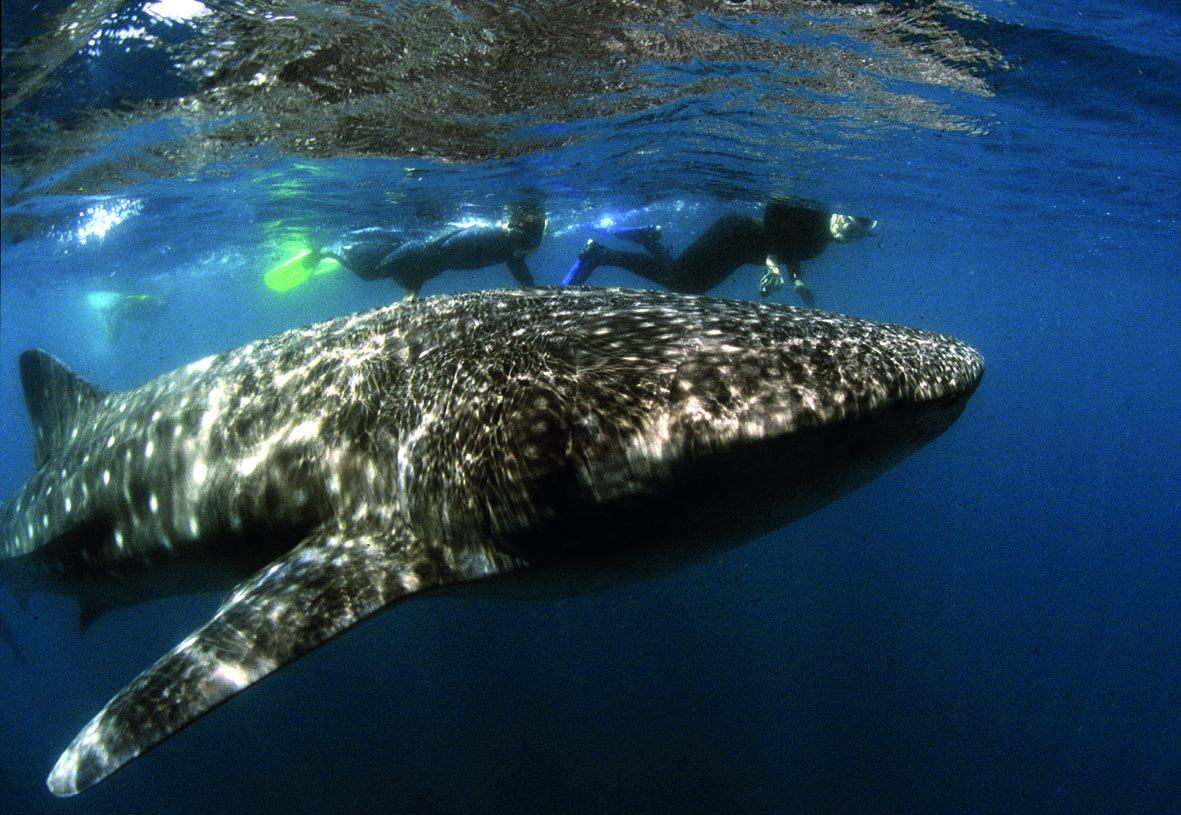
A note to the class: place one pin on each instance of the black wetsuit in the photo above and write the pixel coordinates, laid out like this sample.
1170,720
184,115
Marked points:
379,252
786,233
361,251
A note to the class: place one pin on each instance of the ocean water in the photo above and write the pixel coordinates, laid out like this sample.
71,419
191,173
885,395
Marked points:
992,626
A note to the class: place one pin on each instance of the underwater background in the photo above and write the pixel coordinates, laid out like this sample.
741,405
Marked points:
992,626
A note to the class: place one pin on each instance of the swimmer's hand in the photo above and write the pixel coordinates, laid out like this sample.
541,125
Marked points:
772,279
805,293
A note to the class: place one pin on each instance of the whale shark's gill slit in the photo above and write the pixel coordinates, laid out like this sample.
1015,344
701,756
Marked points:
139,489
75,546
245,542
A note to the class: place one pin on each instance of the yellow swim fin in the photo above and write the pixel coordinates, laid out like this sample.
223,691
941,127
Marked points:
290,273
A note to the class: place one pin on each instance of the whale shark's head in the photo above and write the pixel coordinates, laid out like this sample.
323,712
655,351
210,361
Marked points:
684,423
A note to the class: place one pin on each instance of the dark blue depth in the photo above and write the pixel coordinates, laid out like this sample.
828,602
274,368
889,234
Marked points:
993,626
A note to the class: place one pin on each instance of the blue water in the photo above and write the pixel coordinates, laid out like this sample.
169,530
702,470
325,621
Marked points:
992,626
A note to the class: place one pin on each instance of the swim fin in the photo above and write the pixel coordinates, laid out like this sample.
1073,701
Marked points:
588,260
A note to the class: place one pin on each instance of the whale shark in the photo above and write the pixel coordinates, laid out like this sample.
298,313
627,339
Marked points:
531,442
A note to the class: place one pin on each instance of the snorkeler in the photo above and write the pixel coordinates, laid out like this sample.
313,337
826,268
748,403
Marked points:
786,235
378,252
118,309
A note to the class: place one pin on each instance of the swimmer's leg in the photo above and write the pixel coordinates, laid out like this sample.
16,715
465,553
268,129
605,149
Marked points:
361,251
589,259
520,272
410,265
649,237
594,255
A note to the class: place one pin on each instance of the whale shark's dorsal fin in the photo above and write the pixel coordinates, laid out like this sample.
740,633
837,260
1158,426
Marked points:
328,583
55,396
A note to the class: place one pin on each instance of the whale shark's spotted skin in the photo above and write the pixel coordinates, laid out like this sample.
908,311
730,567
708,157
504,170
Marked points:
326,472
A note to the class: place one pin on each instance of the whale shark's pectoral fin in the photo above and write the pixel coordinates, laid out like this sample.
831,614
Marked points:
328,583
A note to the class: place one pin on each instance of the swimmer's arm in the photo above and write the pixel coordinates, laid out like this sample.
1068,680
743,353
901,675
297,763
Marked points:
797,282
797,274
773,278
516,265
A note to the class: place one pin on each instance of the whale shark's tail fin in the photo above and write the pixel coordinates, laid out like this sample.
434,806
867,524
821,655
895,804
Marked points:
55,396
